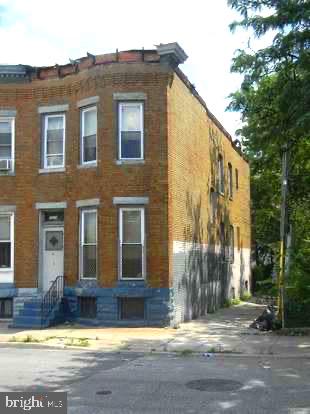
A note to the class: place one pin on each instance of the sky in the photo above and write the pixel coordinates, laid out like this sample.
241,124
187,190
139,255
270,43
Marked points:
41,33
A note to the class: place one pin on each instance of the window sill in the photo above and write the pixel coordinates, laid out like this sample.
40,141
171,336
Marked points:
51,170
129,162
90,165
7,173
5,269
131,279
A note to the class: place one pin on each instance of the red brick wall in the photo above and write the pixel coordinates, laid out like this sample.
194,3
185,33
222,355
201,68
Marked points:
106,181
193,147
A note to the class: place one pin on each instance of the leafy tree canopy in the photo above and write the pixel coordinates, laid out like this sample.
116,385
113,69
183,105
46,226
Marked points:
274,102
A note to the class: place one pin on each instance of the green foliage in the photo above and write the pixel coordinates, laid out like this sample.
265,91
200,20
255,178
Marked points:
274,101
245,296
231,302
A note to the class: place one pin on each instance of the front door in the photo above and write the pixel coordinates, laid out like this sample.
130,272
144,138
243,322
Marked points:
53,255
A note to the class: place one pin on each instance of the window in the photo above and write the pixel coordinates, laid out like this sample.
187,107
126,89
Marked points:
230,180
87,306
222,241
130,136
132,308
6,307
89,135
213,205
6,241
237,178
132,259
231,244
220,174
88,244
54,141
7,126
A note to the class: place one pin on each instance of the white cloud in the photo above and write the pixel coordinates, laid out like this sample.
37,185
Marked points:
39,33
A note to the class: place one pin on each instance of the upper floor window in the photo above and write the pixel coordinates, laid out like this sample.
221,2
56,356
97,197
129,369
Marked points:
89,135
213,205
88,244
220,174
132,258
130,134
237,178
7,144
230,180
6,241
231,244
54,141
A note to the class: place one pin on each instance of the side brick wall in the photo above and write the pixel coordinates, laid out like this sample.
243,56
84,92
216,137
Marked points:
201,280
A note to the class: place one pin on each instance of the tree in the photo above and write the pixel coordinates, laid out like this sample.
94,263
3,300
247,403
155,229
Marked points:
274,101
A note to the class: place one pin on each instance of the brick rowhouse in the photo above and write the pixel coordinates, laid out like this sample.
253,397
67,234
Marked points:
115,175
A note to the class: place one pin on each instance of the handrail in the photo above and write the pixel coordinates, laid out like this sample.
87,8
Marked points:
53,296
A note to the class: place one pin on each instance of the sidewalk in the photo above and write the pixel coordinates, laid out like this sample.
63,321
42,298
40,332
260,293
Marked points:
225,331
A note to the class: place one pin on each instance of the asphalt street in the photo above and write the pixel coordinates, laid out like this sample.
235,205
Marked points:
166,383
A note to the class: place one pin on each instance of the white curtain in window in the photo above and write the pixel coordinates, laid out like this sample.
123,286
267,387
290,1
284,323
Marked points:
5,233
131,119
90,123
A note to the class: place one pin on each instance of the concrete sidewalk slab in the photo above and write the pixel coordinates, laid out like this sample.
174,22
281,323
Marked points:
225,331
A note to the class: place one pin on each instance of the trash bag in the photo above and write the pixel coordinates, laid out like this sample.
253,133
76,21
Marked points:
266,320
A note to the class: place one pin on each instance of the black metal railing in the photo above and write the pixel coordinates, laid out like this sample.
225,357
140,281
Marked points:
53,296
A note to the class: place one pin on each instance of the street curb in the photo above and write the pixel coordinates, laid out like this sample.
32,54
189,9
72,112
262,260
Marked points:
149,352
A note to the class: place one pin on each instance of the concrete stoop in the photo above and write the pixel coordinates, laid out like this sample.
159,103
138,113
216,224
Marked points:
28,313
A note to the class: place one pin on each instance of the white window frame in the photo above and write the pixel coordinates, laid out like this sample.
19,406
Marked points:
83,111
46,117
128,104
142,212
82,244
12,122
12,236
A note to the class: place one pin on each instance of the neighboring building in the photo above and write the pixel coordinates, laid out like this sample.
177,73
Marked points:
115,174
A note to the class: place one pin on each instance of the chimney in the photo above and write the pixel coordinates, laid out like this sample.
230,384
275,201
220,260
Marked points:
171,54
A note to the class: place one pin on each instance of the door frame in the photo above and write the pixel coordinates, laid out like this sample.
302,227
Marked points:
42,227
45,229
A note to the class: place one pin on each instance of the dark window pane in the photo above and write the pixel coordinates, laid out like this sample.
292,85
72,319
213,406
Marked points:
5,138
5,255
132,308
132,261
5,152
89,261
6,308
89,148
53,240
131,144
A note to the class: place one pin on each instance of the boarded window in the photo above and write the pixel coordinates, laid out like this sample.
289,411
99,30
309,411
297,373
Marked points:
132,308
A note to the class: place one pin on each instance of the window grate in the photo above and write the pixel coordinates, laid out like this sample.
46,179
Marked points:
6,308
87,307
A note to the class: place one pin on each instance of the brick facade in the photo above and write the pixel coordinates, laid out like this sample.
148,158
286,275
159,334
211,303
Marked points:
175,176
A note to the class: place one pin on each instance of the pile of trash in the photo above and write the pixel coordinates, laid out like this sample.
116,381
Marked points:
265,322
